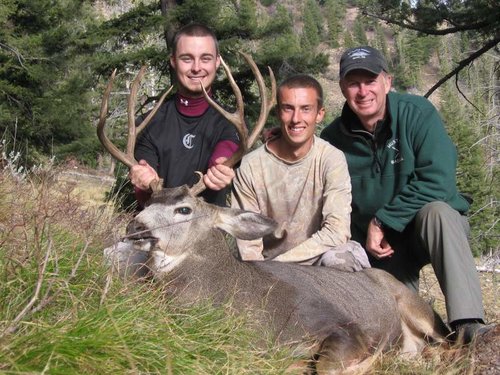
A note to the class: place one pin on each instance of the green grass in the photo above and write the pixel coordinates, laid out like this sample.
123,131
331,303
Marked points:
136,332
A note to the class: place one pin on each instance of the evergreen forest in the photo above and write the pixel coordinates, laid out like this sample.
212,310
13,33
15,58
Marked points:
56,57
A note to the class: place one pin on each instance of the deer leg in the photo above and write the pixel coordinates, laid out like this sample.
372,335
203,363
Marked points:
343,352
419,322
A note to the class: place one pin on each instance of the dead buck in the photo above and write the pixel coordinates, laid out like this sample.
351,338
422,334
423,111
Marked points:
339,318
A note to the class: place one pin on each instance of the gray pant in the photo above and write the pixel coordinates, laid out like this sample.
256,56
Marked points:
438,235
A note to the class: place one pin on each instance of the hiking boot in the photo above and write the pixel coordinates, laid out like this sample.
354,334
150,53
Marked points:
467,332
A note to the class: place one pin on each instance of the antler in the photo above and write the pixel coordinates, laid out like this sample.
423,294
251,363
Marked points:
128,157
237,117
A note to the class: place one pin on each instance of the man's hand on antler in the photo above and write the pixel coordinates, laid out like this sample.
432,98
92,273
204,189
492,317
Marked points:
142,174
218,176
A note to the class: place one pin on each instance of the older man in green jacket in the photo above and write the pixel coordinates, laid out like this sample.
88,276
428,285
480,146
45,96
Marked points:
406,208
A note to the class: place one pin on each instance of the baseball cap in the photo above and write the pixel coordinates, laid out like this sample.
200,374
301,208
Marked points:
364,58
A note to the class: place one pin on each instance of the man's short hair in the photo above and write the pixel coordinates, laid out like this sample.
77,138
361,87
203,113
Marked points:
194,29
302,81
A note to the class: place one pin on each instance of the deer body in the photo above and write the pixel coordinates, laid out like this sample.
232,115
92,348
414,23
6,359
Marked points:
346,314
297,299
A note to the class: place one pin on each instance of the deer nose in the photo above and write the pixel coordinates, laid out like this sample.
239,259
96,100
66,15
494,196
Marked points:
137,230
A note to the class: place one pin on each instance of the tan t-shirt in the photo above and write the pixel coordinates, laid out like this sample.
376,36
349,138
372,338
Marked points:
309,198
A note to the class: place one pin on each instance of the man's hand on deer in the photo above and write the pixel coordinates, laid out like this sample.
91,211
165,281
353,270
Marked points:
142,174
218,176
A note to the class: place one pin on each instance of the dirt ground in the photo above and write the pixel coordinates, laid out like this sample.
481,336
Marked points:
485,356
431,292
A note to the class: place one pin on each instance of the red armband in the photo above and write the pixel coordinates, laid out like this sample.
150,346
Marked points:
223,148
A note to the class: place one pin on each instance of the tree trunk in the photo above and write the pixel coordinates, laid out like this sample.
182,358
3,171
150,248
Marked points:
170,27
166,6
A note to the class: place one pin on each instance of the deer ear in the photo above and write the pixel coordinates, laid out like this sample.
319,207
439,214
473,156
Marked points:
245,225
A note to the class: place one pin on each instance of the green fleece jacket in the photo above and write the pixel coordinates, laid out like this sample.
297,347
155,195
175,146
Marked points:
406,163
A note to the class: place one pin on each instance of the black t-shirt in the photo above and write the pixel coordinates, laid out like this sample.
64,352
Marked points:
176,146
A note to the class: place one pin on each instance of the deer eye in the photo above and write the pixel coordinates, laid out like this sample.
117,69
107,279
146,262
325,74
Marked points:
183,210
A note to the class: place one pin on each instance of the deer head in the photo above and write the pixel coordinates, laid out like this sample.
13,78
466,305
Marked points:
236,118
177,224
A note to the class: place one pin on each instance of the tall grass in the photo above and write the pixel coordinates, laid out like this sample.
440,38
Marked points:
63,312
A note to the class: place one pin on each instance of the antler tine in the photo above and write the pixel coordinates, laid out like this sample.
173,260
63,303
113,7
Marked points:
200,186
128,158
112,149
132,99
266,104
237,118
153,111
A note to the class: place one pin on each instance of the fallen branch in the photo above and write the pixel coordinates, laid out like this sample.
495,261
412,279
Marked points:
487,269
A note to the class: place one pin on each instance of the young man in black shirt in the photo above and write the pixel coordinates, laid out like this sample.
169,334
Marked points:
187,134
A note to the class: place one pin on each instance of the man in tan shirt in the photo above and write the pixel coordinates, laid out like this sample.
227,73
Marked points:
303,183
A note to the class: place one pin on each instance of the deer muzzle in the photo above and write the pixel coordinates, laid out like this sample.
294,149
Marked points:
138,231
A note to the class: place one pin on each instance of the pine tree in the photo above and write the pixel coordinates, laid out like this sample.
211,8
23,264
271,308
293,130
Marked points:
317,15
465,123
334,14
478,20
44,100
470,172
360,37
380,43
247,17
413,52
310,33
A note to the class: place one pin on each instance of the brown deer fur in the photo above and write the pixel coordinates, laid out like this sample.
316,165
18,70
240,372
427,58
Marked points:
349,315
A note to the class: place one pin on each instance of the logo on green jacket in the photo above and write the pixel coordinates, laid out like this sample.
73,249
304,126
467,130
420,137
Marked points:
394,145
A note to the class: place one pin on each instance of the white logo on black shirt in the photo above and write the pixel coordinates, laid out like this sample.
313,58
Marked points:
187,141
